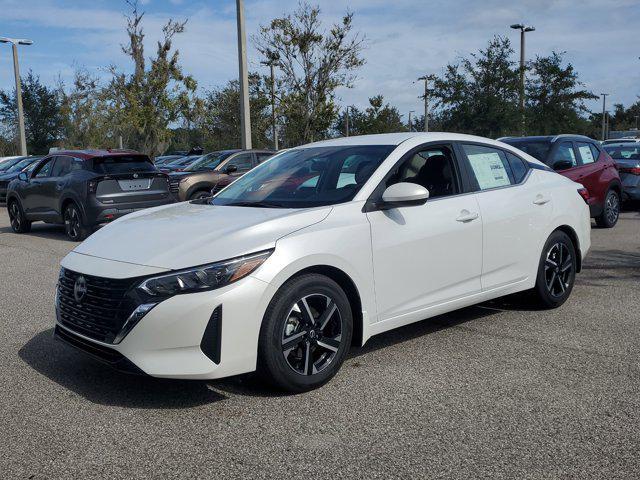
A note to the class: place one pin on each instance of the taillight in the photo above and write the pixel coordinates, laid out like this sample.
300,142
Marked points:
92,186
631,170
584,193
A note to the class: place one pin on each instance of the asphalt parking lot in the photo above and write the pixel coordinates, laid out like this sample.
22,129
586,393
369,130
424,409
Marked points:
495,391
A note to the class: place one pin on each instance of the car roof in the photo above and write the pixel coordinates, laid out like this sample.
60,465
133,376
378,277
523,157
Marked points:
549,138
397,138
90,153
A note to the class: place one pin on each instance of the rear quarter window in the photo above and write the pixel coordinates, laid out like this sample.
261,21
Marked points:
123,164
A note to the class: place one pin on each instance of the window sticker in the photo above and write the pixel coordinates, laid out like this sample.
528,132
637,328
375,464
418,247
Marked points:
489,170
585,153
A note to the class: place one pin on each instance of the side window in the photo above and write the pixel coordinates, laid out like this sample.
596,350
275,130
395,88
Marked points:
594,151
586,155
519,167
490,166
242,161
61,166
565,153
45,169
433,168
263,156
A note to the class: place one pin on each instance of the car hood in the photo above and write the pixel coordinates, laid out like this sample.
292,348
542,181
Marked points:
187,234
8,176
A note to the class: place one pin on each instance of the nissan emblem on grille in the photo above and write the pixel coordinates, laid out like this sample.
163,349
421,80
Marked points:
79,288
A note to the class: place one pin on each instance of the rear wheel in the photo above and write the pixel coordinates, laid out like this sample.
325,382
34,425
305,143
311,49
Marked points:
200,195
556,271
19,222
306,333
73,225
609,216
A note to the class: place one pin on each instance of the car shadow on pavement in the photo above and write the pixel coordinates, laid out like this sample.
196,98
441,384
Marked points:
100,384
42,230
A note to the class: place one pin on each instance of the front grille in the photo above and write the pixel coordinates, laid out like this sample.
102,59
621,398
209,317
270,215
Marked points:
103,310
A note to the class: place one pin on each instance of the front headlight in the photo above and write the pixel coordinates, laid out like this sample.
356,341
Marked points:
205,277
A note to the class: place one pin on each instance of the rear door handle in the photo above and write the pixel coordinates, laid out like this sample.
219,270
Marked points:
467,216
541,200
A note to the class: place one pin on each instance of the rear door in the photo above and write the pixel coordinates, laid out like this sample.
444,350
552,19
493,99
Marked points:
515,210
590,171
58,178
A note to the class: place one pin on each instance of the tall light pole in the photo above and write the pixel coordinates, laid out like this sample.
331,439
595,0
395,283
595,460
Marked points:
604,106
346,123
426,79
523,29
410,125
16,71
272,62
245,115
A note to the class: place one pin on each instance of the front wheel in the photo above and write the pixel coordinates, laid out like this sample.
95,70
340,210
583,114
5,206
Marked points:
19,222
306,333
556,271
73,225
609,216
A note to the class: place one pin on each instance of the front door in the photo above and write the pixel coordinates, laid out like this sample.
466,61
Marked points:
428,254
37,193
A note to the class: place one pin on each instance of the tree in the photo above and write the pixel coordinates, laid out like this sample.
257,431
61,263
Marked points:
144,104
42,118
217,125
378,117
83,108
555,97
312,65
479,94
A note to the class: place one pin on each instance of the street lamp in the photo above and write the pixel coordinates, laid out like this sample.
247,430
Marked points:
604,120
273,59
523,29
411,126
245,119
16,70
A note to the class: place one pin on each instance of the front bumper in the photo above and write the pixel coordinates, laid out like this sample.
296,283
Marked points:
182,338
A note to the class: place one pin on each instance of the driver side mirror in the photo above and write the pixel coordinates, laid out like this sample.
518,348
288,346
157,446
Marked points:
230,169
562,165
23,176
404,194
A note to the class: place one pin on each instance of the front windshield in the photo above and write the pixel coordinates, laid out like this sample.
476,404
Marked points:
208,162
183,161
624,152
7,164
306,177
20,165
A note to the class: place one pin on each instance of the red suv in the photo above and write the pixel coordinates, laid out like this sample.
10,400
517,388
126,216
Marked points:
583,160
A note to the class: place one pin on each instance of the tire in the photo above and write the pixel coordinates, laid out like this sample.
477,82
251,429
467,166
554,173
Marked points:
556,271
611,211
73,224
200,194
296,352
19,222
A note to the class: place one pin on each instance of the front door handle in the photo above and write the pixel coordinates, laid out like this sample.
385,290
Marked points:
541,200
467,216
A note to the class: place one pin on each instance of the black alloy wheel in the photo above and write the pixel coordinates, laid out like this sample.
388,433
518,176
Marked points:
19,223
556,271
311,334
609,216
305,333
73,226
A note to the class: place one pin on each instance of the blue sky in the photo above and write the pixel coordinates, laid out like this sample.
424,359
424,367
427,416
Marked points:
405,38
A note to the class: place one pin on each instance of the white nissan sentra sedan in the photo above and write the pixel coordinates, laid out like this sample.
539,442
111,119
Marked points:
320,248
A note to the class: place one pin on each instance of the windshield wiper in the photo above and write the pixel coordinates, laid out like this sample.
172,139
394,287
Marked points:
253,204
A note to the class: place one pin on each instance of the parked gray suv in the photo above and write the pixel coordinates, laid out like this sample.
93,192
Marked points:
84,188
